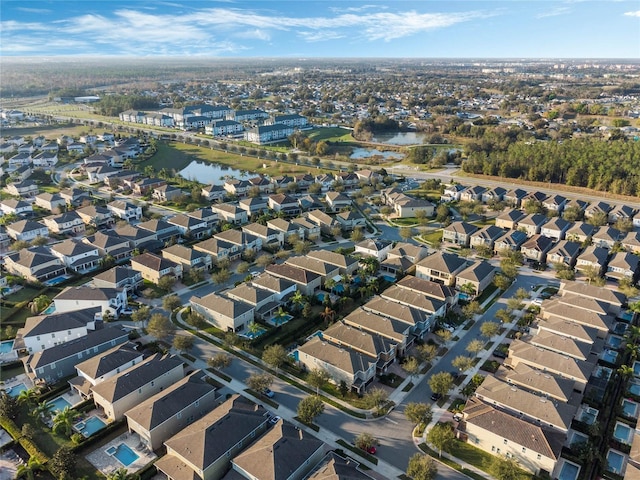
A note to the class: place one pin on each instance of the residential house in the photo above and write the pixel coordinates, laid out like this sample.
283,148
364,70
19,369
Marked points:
45,331
223,128
25,188
254,205
432,308
580,232
230,213
403,257
622,265
171,410
13,206
145,186
244,241
189,258
263,183
96,216
111,300
263,301
292,120
430,289
45,159
376,248
138,238
307,282
67,223
514,197
509,219
556,228
536,198
441,267
356,369
493,195
239,188
283,453
281,287
110,243
166,193
311,202
269,236
213,193
219,249
486,237
20,174
554,203
49,201
120,393
289,230
20,159
337,201
35,264
606,237
475,278
322,220
119,277
207,215
335,467
395,331
197,452
473,193
598,208
536,449
265,134
311,230
532,224
348,180
459,233
564,252
405,206
614,300
452,192
326,181
281,202
227,314
153,267
100,173
125,210
53,364
535,248
74,196
304,181
190,227
419,320
103,366
27,230
577,205
164,232
325,270
631,242
351,219
346,265
78,256
594,257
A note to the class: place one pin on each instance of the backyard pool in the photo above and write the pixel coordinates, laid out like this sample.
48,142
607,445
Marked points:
622,432
634,387
614,341
16,389
389,278
56,280
615,461
58,404
629,408
620,328
339,288
6,346
90,426
50,309
255,334
123,454
610,356
569,471
281,319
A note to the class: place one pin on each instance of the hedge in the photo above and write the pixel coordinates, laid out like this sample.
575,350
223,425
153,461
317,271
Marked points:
33,450
11,428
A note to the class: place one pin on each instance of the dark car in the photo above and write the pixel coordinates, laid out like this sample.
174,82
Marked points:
436,396
499,354
267,393
454,374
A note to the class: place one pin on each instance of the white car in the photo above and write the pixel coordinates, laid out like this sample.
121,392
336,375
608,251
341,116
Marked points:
127,311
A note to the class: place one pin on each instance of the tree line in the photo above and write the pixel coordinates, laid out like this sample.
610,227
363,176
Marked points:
112,105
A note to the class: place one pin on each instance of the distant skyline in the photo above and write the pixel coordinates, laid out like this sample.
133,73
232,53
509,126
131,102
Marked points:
322,29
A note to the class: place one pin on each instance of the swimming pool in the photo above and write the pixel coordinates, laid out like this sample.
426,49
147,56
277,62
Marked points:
253,335
610,356
634,387
321,296
615,461
58,404
6,346
569,471
281,319
389,278
614,341
90,426
620,328
50,309
56,280
636,369
622,432
338,288
123,454
16,389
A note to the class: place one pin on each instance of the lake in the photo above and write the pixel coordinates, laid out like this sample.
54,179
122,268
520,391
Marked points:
359,153
400,138
208,173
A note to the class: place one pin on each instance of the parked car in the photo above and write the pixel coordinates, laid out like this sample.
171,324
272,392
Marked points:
436,396
268,393
274,420
371,450
500,354
127,311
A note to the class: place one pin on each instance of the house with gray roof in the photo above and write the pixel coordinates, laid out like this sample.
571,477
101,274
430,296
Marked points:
264,301
510,241
204,449
35,264
606,237
105,365
49,201
532,224
495,194
556,228
96,216
565,252
108,242
289,230
190,227
281,287
168,412
139,238
53,364
219,249
535,248
433,307
419,320
476,277
560,344
14,206
459,233
486,237
308,282
27,230
118,394
623,265
560,326
254,205
631,242
78,256
441,267
227,314
395,331
324,269
509,219
112,300
377,248
125,210
537,381
515,197
598,208
152,267
580,232
284,452
614,300
119,277
66,223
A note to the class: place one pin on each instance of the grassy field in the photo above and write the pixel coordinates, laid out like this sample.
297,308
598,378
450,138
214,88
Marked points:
331,134
48,131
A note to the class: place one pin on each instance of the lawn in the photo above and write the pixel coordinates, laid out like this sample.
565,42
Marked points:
432,237
331,134
22,295
478,458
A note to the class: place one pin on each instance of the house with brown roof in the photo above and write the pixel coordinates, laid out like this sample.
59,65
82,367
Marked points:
311,230
631,242
230,213
580,232
430,289
350,219
204,449
606,237
169,411
535,249
324,269
356,369
227,314
514,197
441,267
614,300
395,331
153,267
307,282
335,467
403,257
593,256
322,220
283,453
622,265
48,201
96,216
281,287
476,277
77,256
281,202
337,201
190,258
264,301
459,233
270,237
138,237
567,328
564,252
118,277
419,320
35,264
346,264
497,432
556,228
14,206
537,381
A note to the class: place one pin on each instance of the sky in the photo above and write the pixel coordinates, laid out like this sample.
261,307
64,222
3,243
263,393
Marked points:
322,29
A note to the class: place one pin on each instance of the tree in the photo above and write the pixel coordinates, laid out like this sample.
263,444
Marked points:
166,283
502,281
29,469
411,366
376,398
471,309
592,272
264,260
504,315
318,377
463,363
63,463
475,346
40,303
626,286
220,360
422,467
221,276
442,213
121,474
141,315
9,407
64,421
405,233
365,441
441,436
183,343
309,408
522,294
441,383
171,302
328,315
489,329
259,382
160,326
42,410
444,335
275,355
357,235
598,219
369,265
299,300
28,397
506,468
427,352
343,388
418,413
471,387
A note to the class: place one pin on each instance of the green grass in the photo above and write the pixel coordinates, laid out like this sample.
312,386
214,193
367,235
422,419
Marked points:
487,293
478,458
11,371
331,134
22,295
432,237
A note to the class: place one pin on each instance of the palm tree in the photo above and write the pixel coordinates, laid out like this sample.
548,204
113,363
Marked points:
298,299
329,284
328,315
253,328
28,470
28,397
64,421
625,371
42,410
120,474
632,350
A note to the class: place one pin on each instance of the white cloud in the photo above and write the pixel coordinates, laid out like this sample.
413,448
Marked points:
554,12
256,34
323,36
632,14
33,10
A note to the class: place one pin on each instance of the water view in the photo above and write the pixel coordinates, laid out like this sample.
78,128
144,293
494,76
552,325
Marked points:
208,173
399,138
359,153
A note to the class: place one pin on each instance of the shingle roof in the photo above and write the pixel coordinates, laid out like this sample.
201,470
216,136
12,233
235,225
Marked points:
345,359
363,342
289,272
334,467
109,361
538,381
57,322
225,306
429,288
379,324
412,298
442,262
477,272
152,261
404,313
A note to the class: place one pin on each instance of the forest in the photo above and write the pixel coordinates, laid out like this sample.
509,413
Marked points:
606,165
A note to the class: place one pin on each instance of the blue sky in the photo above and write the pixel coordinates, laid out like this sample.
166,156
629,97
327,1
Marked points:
306,29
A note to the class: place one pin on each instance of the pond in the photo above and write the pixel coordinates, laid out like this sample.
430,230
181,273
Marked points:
400,138
359,153
208,173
